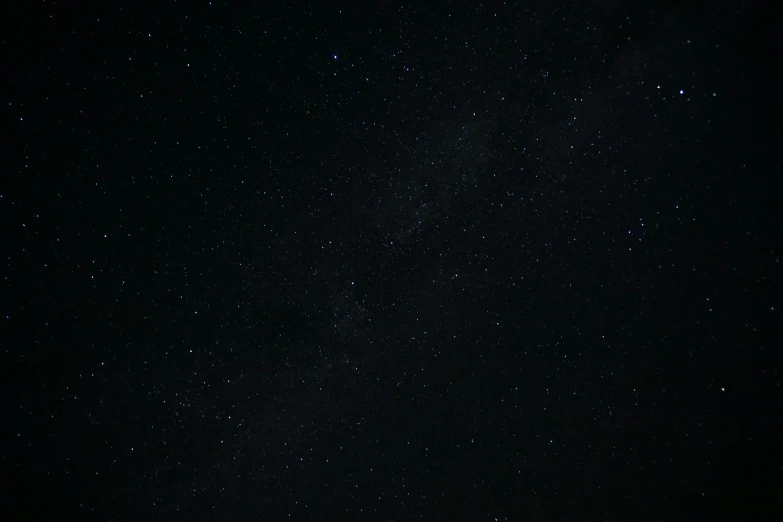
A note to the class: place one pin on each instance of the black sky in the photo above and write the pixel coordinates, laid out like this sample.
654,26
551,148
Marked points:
512,261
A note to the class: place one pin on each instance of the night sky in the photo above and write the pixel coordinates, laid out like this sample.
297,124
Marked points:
499,261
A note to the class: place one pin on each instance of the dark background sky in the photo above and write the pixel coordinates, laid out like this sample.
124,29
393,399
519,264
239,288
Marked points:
489,261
